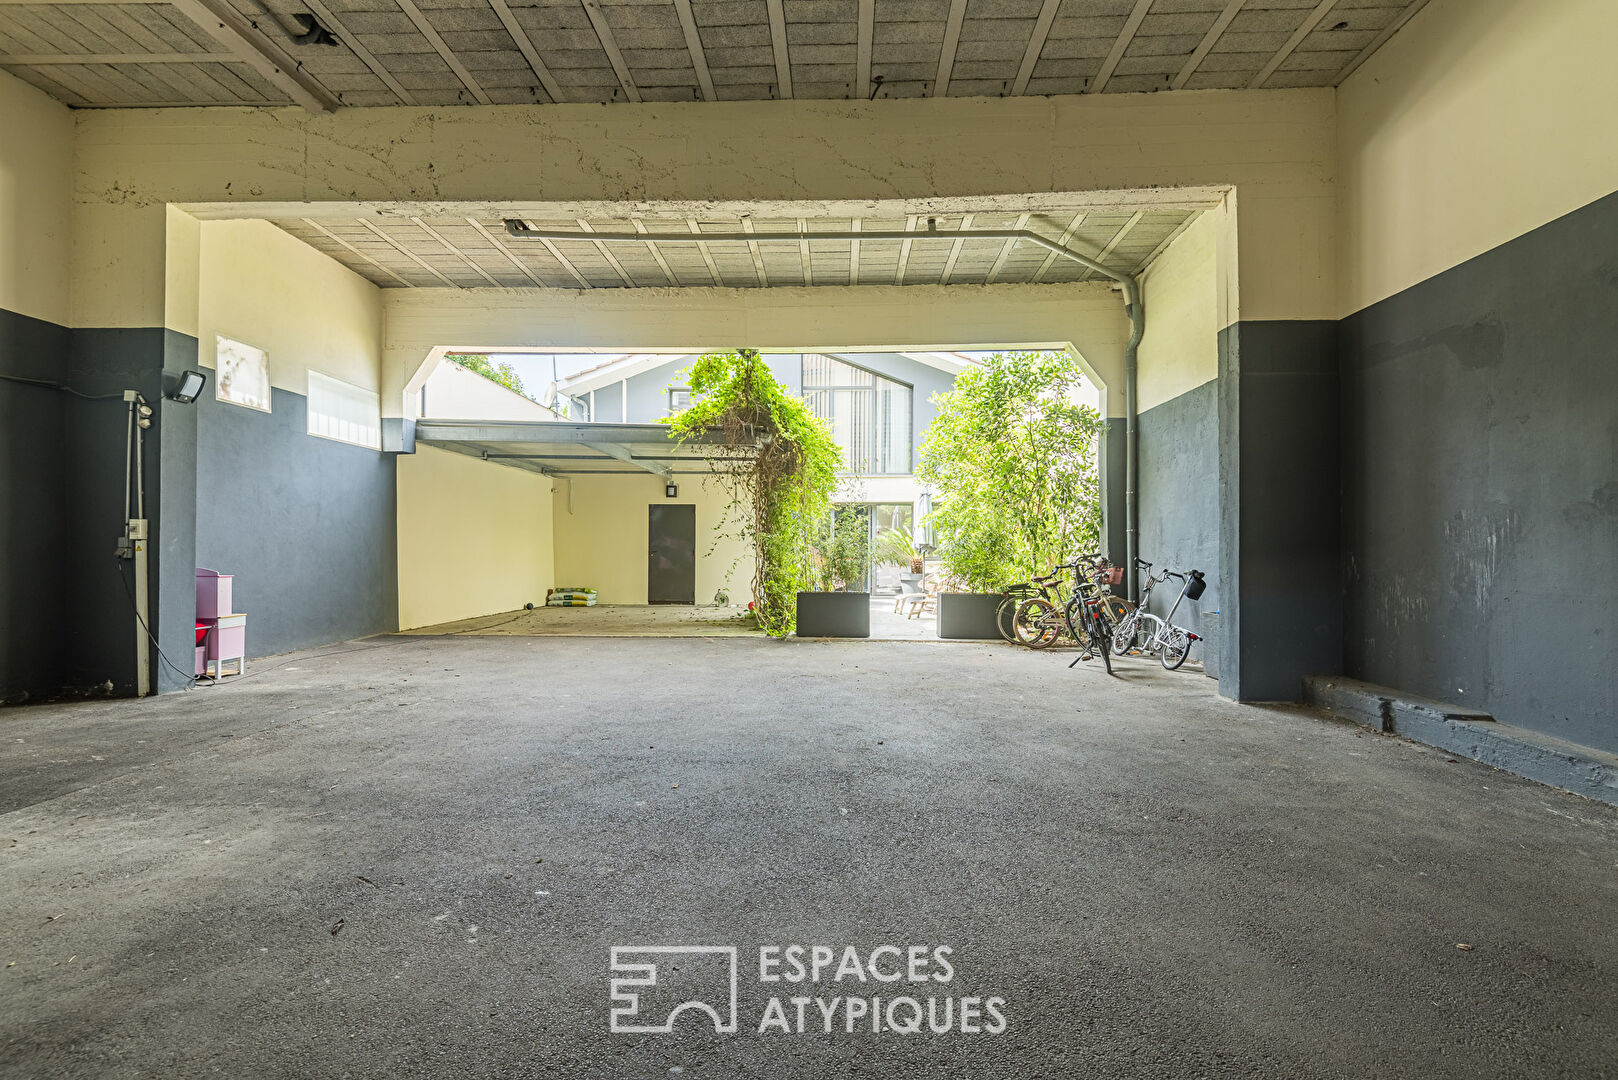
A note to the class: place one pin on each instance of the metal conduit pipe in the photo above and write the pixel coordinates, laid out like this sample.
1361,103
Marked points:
520,230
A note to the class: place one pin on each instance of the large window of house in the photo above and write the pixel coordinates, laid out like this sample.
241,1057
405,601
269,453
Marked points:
870,415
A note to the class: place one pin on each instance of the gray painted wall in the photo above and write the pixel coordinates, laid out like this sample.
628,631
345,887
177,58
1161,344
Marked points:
1179,498
1481,495
307,525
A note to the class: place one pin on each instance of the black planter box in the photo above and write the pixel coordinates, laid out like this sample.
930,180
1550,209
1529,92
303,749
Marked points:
969,615
834,614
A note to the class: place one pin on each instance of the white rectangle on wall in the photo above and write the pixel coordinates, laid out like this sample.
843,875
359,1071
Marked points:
242,374
343,411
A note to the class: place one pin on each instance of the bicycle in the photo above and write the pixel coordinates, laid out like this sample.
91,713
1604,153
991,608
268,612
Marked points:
1084,617
1144,631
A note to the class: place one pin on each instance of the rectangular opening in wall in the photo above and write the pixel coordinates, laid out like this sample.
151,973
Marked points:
344,412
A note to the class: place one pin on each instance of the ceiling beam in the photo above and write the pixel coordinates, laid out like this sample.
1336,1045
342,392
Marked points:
1036,45
1117,238
955,250
663,264
904,250
854,255
1067,234
864,35
356,252
1205,46
407,253
227,26
612,260
946,53
778,41
427,31
507,252
707,256
529,53
693,45
609,45
758,256
332,23
803,254
622,454
1303,31
1119,47
53,59
453,250
1005,250
1380,40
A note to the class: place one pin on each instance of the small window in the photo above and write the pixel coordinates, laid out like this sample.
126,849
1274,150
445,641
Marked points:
344,412
679,400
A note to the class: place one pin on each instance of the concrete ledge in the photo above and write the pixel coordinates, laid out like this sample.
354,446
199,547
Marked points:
1469,733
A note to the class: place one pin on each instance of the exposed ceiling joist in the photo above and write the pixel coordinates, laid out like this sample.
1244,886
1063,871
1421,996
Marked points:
1117,238
427,31
406,252
453,250
778,42
567,264
1119,47
1067,234
357,47
952,43
1205,46
803,254
612,260
507,252
1006,249
854,255
609,45
364,258
758,256
662,263
955,250
693,45
1380,40
236,35
526,46
864,35
1303,31
1036,45
53,59
702,249
904,250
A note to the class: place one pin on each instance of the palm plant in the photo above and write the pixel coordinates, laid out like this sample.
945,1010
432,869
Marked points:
897,547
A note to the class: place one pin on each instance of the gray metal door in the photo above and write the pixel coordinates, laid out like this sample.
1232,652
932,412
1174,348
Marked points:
671,572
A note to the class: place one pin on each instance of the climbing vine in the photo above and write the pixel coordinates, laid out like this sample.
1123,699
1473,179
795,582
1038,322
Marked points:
779,463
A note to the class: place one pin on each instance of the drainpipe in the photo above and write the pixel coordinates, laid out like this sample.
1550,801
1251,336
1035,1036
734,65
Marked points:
520,230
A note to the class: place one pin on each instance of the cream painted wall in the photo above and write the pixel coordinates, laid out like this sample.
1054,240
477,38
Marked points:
1090,318
454,393
853,158
36,184
1180,290
261,286
601,536
474,538
1479,121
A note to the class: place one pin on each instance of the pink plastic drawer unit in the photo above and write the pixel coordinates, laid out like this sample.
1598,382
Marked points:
213,594
227,642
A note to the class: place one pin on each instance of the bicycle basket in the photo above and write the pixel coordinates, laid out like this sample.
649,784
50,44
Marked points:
1112,575
1197,586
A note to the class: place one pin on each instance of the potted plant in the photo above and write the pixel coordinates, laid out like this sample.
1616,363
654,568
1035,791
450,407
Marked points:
837,561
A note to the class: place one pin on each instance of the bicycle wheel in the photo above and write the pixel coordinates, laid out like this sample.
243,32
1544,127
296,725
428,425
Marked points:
1123,638
1176,647
1034,624
1005,618
1103,640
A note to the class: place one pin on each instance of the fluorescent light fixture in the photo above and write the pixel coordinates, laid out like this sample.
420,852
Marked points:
191,384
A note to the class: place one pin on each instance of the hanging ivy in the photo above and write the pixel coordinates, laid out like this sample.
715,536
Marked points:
779,463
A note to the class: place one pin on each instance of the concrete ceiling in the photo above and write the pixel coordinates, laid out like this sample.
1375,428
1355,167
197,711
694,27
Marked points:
467,52
475,252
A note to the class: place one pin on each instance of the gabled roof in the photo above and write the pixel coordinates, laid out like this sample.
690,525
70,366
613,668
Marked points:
624,367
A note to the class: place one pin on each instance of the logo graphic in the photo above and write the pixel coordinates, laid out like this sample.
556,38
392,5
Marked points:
669,979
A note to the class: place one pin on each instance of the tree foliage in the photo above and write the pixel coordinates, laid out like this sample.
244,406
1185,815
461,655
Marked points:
842,550
1011,460
502,373
780,464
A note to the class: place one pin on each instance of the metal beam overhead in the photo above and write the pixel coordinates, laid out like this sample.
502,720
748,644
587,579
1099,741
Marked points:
778,41
526,46
609,45
693,45
328,234
1205,46
1036,45
427,31
1303,31
952,42
236,34
622,454
1119,47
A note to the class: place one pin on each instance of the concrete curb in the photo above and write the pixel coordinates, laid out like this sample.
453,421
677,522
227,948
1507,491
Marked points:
1469,733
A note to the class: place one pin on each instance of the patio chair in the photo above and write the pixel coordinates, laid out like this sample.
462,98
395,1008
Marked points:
926,601
910,591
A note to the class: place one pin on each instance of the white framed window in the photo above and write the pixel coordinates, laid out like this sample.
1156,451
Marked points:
344,412
679,399
869,414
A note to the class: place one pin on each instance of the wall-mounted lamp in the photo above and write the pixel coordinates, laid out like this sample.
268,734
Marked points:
672,490
191,384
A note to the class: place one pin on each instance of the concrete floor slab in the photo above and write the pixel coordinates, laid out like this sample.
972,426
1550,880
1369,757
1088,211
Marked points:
412,856
604,620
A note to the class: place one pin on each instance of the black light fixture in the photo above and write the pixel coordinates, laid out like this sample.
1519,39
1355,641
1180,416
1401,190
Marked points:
672,490
191,384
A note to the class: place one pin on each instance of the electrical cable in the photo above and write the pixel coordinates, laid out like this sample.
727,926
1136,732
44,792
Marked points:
58,386
190,678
